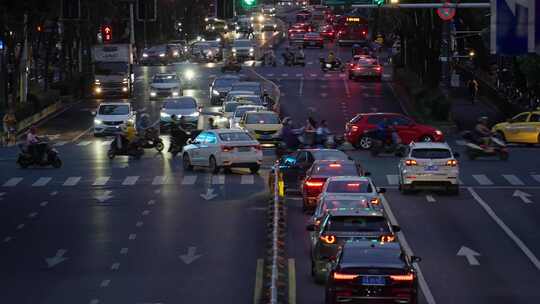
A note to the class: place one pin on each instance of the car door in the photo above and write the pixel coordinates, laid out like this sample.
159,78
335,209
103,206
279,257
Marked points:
515,130
405,128
196,153
211,147
533,128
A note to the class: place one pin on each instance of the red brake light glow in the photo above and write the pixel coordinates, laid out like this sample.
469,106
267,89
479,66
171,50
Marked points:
353,185
374,201
328,239
405,277
335,165
354,128
411,162
451,163
388,238
314,184
226,149
344,276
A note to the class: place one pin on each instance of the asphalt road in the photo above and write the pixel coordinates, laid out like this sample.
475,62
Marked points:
126,231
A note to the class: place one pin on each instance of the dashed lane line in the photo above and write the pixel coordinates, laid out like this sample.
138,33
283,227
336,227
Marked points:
130,180
258,281
42,181
72,181
101,181
247,180
12,182
189,179
159,180
482,179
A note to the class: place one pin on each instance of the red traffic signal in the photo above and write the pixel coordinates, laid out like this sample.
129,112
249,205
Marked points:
106,33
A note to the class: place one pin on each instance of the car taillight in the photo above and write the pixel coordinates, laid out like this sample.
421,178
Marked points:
451,163
314,184
334,165
411,162
387,238
403,277
378,68
364,33
226,149
328,239
357,68
344,276
375,201
354,128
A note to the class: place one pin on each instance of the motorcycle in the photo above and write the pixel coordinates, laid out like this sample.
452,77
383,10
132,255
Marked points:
178,143
292,60
26,158
337,66
151,139
386,146
494,147
268,60
134,149
231,67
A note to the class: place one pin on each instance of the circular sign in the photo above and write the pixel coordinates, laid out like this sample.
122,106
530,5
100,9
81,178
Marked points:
446,12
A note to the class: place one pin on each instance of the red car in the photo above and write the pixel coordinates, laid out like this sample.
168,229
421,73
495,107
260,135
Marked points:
317,175
406,127
328,32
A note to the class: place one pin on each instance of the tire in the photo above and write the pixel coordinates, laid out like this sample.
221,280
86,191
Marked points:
365,143
503,155
426,138
254,169
212,164
186,163
538,139
111,154
57,163
160,146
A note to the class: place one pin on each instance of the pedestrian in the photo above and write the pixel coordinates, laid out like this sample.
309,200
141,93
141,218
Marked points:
211,123
473,89
10,127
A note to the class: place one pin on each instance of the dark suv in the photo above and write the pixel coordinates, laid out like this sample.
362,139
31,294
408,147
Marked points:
372,272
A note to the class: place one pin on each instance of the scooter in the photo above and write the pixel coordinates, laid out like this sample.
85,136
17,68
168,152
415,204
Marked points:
337,66
292,60
151,139
384,147
495,147
134,149
26,158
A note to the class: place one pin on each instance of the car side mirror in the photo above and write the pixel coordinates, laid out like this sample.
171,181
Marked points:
416,259
396,228
310,227
381,190
456,155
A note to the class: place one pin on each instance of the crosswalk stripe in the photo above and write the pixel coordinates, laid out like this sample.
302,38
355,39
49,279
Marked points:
42,181
270,75
284,75
60,143
247,180
101,181
189,179
12,182
392,179
299,75
159,180
513,180
72,181
310,63
218,179
536,177
130,180
482,179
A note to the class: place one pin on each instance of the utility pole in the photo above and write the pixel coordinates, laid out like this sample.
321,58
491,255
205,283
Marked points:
23,65
131,25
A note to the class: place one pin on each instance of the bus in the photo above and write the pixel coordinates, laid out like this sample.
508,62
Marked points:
351,30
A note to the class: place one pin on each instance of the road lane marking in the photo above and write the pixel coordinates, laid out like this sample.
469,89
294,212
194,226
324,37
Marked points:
32,215
132,236
247,179
60,143
536,177
12,182
482,179
313,75
82,134
430,198
392,179
20,226
84,143
513,180
106,143
343,75
292,282
7,239
401,237
270,75
124,250
323,95
301,86
42,181
347,91
284,75
101,181
105,283
94,301
299,75
145,212
505,228
115,266
130,180
54,193
258,281
72,181
139,224
218,179
159,180
151,202
189,179
44,204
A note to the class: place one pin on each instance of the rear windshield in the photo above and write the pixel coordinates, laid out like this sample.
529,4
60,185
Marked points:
431,153
180,104
262,118
349,187
224,82
345,204
240,112
235,136
250,99
357,223
242,43
247,87
330,155
231,107
165,79
327,170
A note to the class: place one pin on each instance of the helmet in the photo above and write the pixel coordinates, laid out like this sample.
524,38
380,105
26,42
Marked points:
483,119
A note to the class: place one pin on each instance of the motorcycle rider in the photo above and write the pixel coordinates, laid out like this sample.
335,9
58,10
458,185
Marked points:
482,131
178,134
323,132
331,59
382,131
34,146
289,135
288,56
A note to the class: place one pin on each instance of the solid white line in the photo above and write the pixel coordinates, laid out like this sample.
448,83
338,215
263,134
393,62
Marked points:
105,283
42,181
12,182
94,301
401,237
82,134
392,179
301,86
189,179
115,266
246,180
218,179
513,180
130,180
72,181
159,180
347,91
132,236
536,177
430,198
506,229
101,181
482,179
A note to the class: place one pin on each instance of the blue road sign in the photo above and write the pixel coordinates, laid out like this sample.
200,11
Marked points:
515,27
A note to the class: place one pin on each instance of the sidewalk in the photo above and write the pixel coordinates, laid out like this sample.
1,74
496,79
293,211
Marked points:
465,114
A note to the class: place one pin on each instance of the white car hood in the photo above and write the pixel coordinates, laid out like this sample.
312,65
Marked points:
113,117
164,85
179,111
109,78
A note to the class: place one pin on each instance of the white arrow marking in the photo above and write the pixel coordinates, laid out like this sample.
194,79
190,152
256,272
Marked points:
115,266
104,197
32,215
54,193
57,259
524,196
430,198
209,194
44,204
513,3
190,257
470,255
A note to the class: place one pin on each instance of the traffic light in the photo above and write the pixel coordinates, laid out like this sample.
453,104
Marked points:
106,33
248,3
378,2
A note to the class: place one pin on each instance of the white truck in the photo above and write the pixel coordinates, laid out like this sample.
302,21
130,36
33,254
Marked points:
113,70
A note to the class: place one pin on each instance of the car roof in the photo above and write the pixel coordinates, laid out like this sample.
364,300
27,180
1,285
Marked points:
328,162
355,212
247,83
364,253
343,197
114,103
227,77
250,106
317,152
382,113
220,131
261,112
429,145
240,93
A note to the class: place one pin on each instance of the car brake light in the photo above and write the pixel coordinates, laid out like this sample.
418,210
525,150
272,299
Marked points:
411,162
404,277
451,163
312,184
328,239
226,149
354,128
364,33
344,276
387,238
335,165
317,222
378,68
353,185
374,201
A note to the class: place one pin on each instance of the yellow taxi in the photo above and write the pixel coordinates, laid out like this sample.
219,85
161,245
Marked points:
522,128
264,125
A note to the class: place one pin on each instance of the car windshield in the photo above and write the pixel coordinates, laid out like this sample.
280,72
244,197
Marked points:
246,87
250,99
180,104
312,35
327,170
235,136
242,43
224,82
349,187
431,153
345,204
110,68
165,79
262,118
231,106
357,223
114,110
240,111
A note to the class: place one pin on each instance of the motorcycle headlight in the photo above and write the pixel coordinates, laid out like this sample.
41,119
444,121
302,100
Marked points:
153,94
97,90
164,115
213,27
145,55
175,93
233,50
214,92
162,55
97,122
176,53
251,50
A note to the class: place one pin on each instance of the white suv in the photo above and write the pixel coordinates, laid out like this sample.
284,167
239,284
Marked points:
429,165
110,116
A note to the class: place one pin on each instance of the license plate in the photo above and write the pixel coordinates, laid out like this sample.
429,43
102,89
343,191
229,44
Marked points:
432,168
243,149
373,281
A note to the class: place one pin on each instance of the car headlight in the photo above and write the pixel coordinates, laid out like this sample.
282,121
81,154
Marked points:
164,115
176,53
162,55
131,119
97,122
251,50
145,55
189,74
233,50
214,92
194,114
175,93
438,132
153,94
124,89
237,28
213,27
97,90
218,39
226,27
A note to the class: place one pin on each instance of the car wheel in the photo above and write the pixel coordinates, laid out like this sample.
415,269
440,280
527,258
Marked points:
212,164
57,163
160,146
365,142
426,138
186,163
254,169
111,154
538,139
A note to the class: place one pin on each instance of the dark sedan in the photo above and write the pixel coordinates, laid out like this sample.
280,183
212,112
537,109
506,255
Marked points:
220,87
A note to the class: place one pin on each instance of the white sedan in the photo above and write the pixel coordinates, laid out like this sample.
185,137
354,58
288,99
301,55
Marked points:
223,148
